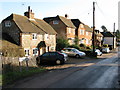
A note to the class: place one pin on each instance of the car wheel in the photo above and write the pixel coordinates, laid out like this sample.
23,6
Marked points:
58,62
77,56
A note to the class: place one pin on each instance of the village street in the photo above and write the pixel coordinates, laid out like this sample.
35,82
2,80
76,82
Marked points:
94,73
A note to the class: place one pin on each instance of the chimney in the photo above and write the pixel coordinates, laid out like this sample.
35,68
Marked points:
66,16
29,13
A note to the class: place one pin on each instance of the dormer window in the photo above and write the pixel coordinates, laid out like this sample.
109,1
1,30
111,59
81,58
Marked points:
7,23
34,36
55,22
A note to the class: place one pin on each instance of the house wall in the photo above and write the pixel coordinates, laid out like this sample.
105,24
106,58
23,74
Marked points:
63,31
52,42
109,41
88,38
12,31
84,37
28,43
60,28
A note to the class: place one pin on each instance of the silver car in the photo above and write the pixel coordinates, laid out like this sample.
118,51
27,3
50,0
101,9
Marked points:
73,52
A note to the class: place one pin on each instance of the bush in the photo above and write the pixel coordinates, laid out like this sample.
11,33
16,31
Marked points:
88,47
61,43
105,45
82,45
74,46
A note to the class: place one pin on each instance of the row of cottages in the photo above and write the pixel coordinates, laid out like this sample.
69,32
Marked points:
63,26
70,28
34,35
83,32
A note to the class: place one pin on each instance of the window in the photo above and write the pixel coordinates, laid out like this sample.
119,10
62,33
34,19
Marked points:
69,30
46,54
34,35
87,41
52,54
35,51
7,24
55,22
46,36
87,33
81,32
27,52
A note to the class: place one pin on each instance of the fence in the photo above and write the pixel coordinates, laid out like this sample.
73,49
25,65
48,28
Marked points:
13,63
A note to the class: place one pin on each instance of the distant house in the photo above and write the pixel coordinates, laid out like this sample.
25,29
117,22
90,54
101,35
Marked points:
34,35
110,39
98,38
83,32
63,26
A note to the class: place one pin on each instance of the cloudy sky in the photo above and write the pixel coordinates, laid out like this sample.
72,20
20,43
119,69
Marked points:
106,12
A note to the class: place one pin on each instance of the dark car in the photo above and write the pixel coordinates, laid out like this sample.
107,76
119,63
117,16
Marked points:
52,57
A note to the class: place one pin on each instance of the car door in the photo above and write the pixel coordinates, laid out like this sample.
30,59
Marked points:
52,56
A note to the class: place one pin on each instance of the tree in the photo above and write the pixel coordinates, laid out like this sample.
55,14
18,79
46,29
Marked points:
117,34
61,43
76,40
104,28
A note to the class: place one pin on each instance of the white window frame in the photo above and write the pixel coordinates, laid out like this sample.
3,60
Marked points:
81,32
87,33
69,30
46,37
36,52
34,36
7,24
27,52
55,22
87,41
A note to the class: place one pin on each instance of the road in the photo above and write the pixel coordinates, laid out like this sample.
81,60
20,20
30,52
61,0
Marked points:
101,73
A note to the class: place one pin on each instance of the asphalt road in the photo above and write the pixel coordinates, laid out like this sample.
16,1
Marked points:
102,73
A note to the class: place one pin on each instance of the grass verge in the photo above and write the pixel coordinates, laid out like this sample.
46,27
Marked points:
13,76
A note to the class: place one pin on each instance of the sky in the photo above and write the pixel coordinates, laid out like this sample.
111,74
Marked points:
106,11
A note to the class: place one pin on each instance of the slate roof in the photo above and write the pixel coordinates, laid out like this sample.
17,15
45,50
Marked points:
66,21
31,26
107,34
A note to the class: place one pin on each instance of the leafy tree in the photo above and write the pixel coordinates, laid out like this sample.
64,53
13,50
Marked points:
104,28
61,43
117,34
76,40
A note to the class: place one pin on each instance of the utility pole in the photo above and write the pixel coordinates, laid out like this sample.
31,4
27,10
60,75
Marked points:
93,37
113,35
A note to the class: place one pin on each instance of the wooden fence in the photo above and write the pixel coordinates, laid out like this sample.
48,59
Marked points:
13,63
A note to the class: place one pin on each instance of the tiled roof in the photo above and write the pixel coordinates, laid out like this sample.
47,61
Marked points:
66,21
87,28
32,26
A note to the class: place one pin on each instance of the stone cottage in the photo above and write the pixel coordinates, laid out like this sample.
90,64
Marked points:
34,35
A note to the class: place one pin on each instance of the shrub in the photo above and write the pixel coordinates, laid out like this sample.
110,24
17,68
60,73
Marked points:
74,46
82,45
61,43
105,45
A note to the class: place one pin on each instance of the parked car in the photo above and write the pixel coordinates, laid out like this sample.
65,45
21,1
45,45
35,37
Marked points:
99,53
73,52
106,50
53,57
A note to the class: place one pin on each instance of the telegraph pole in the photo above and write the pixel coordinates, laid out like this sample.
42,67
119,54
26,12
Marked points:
93,37
113,35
